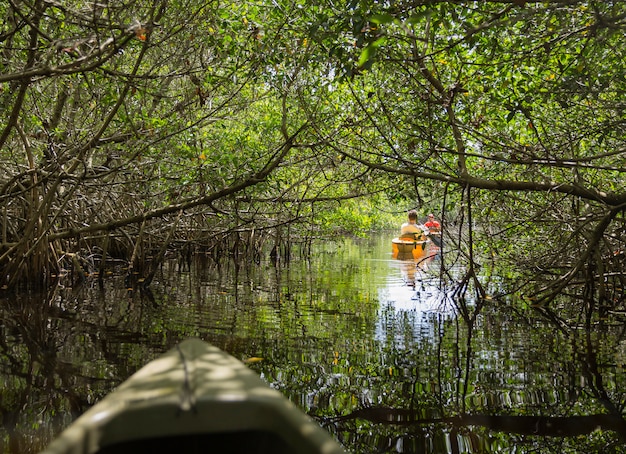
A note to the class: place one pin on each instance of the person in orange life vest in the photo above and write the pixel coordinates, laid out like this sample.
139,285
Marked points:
411,229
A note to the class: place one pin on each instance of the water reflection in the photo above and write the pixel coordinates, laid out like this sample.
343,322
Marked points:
416,286
370,346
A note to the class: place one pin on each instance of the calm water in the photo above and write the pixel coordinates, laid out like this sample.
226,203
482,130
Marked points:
375,349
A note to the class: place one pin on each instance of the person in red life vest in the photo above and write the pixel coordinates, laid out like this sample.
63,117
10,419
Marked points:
432,224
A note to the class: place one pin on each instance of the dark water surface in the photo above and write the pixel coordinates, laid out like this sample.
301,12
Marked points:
379,354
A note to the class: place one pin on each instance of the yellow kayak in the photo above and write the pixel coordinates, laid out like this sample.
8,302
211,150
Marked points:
406,248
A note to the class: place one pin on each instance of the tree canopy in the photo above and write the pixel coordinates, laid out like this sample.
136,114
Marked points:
136,125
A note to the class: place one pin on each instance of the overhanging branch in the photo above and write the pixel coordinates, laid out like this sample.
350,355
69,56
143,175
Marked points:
234,188
610,199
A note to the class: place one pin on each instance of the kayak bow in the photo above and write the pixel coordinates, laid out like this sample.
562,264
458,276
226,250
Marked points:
194,398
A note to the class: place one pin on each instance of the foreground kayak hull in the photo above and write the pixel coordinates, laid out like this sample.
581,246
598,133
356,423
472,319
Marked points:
194,398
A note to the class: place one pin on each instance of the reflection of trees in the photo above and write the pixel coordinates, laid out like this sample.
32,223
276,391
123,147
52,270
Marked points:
494,372
486,377
58,354
594,382
36,369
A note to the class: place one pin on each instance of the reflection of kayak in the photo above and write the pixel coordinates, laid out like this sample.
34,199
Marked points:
194,396
408,248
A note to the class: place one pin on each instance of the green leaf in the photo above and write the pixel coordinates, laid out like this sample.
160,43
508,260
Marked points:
418,17
366,54
379,42
382,18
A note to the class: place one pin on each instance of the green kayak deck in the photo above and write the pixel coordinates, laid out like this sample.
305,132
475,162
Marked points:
194,398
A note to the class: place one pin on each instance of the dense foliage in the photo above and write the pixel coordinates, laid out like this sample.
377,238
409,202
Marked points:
140,126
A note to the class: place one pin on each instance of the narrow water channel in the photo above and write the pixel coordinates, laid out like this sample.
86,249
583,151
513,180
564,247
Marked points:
373,348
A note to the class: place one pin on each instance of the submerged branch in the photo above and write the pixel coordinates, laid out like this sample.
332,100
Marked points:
546,426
